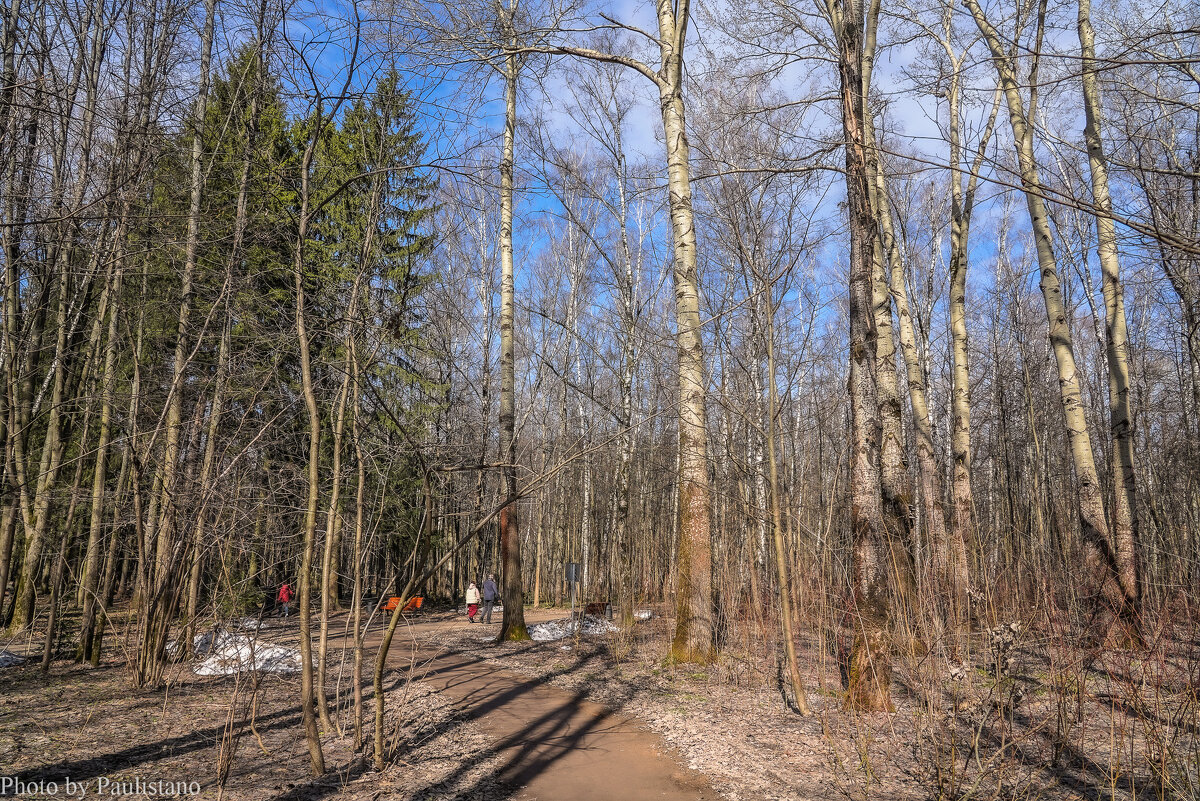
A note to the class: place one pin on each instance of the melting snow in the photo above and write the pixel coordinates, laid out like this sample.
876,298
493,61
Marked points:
236,653
228,654
561,629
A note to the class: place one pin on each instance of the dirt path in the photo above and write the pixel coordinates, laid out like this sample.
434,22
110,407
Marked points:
554,745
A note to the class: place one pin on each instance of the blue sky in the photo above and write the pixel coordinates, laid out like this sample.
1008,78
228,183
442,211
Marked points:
461,110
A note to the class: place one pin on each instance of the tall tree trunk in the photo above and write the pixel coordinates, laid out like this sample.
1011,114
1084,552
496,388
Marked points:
946,555
694,622
1108,601
513,625
870,669
205,481
624,532
329,558
304,581
1124,510
161,585
91,574
691,556
782,571
17,360
896,483
360,490
584,424
174,420
962,205
59,257
963,501
38,524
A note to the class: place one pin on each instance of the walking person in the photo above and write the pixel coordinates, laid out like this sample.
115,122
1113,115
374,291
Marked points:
285,599
490,594
472,602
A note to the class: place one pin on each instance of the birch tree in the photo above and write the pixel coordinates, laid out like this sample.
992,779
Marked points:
694,620
869,659
1124,512
1109,600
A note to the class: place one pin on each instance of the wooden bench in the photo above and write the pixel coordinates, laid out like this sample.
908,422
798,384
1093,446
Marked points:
414,603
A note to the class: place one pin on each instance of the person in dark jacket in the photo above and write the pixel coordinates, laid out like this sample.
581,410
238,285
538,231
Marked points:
490,594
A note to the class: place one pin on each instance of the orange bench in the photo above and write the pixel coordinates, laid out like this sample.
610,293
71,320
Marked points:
413,604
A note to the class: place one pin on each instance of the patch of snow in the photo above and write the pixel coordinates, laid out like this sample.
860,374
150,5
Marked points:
236,653
210,641
253,623
560,629
201,643
228,654
642,614
9,659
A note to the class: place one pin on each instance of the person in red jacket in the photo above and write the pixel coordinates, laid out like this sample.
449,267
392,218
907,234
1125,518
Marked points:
285,599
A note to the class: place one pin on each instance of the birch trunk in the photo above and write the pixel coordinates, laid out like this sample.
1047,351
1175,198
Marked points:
691,553
893,457
962,204
869,679
694,623
627,441
1124,511
513,625
947,556
1108,600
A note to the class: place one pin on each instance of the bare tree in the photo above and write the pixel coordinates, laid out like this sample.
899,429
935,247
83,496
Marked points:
870,662
1110,600
694,621
1124,503
513,625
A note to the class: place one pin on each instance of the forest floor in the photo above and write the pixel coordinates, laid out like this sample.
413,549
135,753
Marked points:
730,727
88,725
593,716
459,730
1029,715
